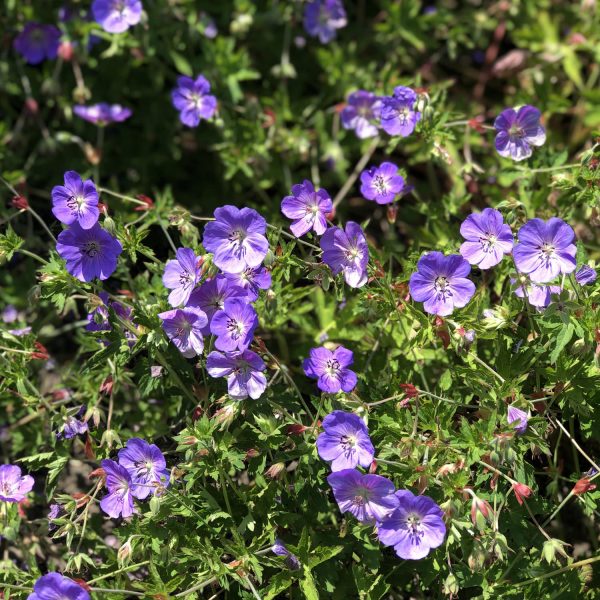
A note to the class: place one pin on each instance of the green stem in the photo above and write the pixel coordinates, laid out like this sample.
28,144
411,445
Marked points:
32,255
122,570
577,565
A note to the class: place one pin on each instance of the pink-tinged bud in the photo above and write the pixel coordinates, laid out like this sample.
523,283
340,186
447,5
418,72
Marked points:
107,386
31,106
22,505
81,499
451,468
20,203
62,394
521,491
276,470
83,584
124,552
392,213
197,413
40,352
89,449
190,440
583,485
99,472
65,50
373,467
410,391
296,429
576,38
148,203
252,453
224,416
481,511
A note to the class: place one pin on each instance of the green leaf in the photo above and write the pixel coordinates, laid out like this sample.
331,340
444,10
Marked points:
562,339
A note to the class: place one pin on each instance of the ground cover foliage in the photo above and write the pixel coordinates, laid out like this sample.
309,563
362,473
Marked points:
154,465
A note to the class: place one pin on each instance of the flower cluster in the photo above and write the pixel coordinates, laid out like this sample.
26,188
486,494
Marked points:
14,486
140,469
221,305
413,525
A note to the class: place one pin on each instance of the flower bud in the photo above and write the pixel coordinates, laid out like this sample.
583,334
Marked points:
582,486
521,491
65,50
276,470
124,553
19,202
481,511
109,225
551,548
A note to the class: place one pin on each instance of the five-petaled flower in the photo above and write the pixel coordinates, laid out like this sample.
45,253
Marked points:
234,325
308,209
251,280
545,249
322,19
345,441
184,327
381,184
89,253
398,113
181,276
518,130
346,251
414,528
193,100
119,500
330,369
244,372
14,486
54,586
117,16
236,238
441,283
518,416
145,465
76,201
370,498
488,238
37,42
361,113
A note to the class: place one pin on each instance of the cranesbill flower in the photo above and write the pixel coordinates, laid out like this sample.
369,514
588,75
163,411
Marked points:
236,238
345,441
192,99
14,486
37,42
102,113
545,249
98,316
89,253
291,560
119,501
330,369
181,276
538,295
381,184
234,325
73,425
441,283
370,498
488,238
211,295
184,327
10,313
54,586
518,130
361,113
518,416
117,16
77,201
323,17
414,527
251,280
586,275
54,513
307,208
146,466
398,114
244,372
348,252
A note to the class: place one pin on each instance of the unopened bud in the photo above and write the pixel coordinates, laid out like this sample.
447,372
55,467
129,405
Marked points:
276,470
19,202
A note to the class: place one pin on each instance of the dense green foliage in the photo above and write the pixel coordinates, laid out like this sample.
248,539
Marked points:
245,472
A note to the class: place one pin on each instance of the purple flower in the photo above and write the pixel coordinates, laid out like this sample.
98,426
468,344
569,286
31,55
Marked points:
244,372
345,441
370,498
102,113
54,513
520,417
307,208
488,238
381,183
236,238
545,249
234,325
192,99
145,465
88,253
98,317
330,369
441,283
9,314
76,201
117,16
398,114
181,276
361,113
518,130
20,332
414,528
251,280
210,27
211,295
323,17
537,295
586,275
13,486
291,560
54,586
348,252
184,327
73,426
119,501
37,42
